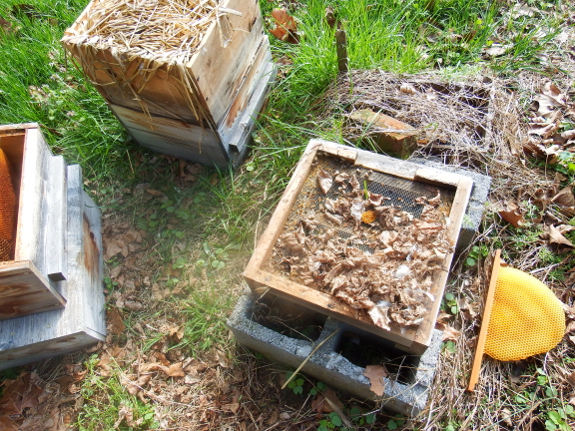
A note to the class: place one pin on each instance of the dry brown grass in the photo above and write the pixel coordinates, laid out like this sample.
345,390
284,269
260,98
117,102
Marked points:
168,31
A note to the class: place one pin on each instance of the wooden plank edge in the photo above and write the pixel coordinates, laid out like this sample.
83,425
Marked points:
480,348
236,136
328,305
459,205
281,213
57,221
14,357
17,129
437,176
95,278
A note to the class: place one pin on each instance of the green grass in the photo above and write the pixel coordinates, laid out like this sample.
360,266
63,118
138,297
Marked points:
105,398
39,84
206,229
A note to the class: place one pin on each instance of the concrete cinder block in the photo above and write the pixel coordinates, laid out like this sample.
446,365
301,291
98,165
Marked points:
405,392
477,200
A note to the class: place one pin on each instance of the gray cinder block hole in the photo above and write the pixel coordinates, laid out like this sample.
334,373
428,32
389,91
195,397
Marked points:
287,318
363,349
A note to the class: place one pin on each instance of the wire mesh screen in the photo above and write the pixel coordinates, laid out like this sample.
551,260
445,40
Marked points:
397,192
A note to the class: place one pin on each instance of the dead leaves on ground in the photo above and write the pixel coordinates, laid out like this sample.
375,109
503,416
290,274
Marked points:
555,235
553,205
551,113
286,27
510,212
121,240
28,402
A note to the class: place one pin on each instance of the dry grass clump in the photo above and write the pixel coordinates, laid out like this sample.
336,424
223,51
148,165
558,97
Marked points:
473,122
166,30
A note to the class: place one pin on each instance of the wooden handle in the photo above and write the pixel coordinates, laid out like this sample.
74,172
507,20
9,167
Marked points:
485,323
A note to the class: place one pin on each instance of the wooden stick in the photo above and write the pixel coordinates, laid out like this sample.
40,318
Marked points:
485,323
307,359
341,46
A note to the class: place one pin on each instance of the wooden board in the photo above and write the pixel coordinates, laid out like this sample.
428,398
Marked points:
42,207
237,126
82,322
176,138
24,290
414,340
219,69
56,221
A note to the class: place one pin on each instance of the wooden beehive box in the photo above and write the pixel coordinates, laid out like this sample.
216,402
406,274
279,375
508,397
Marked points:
31,282
203,109
82,322
292,261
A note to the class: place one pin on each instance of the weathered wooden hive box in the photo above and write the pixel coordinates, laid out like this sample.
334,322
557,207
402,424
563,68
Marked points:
31,282
198,101
364,238
51,293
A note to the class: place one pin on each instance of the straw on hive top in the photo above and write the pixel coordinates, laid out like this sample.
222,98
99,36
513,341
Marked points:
168,31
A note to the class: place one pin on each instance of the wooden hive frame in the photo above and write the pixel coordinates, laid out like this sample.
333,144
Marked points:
410,340
203,110
31,282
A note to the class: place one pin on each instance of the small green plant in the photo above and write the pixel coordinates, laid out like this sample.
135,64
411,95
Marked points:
396,422
450,304
106,397
296,384
477,252
319,387
333,421
451,426
213,257
557,419
450,346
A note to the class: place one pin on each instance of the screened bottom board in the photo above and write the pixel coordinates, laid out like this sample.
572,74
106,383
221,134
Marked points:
402,181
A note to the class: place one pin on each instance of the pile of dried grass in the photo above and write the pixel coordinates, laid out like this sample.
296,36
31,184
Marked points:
472,123
167,31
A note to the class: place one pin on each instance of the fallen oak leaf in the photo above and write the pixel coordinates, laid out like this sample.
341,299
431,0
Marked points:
510,212
375,374
565,197
133,305
113,247
136,386
450,333
565,228
552,91
496,50
286,27
543,130
546,106
174,370
534,147
126,414
116,323
570,327
555,237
